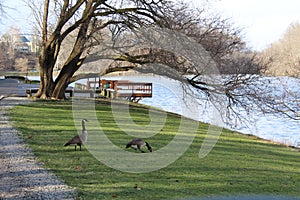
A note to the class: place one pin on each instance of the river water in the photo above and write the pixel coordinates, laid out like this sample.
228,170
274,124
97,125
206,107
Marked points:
169,96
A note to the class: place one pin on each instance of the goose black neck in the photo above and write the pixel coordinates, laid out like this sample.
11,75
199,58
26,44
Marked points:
83,125
148,146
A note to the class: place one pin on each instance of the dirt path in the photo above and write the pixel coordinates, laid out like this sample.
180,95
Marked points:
22,177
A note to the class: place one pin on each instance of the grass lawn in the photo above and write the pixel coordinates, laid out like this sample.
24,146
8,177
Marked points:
238,164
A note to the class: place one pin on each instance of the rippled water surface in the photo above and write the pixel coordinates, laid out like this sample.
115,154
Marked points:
168,95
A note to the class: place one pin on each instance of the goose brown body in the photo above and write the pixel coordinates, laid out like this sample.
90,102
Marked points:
138,144
79,139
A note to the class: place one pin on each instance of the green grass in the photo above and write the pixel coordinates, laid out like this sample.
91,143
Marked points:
238,164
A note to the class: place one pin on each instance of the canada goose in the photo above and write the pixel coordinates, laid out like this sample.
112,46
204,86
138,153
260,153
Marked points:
138,144
79,139
137,187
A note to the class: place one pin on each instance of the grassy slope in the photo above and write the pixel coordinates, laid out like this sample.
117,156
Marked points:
238,164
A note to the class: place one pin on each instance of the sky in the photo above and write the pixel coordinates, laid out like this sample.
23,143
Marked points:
263,21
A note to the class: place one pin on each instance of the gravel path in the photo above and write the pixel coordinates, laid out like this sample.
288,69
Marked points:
22,177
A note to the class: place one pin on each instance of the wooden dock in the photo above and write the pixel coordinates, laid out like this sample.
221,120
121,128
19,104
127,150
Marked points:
132,91
113,89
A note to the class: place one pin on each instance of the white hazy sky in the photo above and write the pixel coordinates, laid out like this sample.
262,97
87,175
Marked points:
264,21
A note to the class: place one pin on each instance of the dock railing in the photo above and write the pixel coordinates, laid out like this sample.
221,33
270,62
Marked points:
133,91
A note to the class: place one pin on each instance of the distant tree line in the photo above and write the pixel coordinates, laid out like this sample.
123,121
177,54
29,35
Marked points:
285,53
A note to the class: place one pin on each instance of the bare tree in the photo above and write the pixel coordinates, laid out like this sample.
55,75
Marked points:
6,61
1,8
85,19
216,47
8,40
21,64
240,87
285,53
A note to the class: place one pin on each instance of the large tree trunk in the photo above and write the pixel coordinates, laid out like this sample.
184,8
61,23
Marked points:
46,84
47,63
72,64
47,60
62,82
53,89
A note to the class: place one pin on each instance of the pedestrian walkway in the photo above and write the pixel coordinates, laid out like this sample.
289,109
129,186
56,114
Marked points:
21,175
14,88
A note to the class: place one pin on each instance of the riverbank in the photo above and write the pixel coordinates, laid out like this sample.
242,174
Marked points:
168,95
238,164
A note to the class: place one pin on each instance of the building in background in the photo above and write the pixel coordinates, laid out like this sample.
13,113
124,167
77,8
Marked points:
18,53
